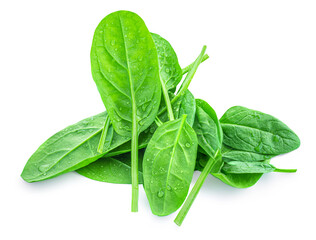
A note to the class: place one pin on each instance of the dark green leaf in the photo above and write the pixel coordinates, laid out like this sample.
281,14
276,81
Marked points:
239,155
254,131
237,167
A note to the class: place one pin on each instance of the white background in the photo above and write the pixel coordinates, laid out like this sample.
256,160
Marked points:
262,56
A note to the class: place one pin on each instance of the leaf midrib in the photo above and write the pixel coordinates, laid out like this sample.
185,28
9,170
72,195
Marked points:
243,126
176,142
134,119
86,140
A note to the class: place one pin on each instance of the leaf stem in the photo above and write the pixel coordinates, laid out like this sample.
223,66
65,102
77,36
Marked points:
158,121
187,68
188,78
134,166
103,134
285,170
167,99
195,190
190,75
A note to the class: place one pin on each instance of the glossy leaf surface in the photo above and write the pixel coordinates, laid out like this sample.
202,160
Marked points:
70,149
169,68
254,131
168,166
124,66
244,156
113,169
237,167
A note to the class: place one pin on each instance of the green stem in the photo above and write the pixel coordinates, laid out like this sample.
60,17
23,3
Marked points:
190,75
187,68
158,121
167,99
195,190
134,166
285,170
103,134
188,78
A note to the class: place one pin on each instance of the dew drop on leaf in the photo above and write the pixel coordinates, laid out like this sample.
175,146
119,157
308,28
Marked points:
188,145
161,193
168,188
43,168
276,139
113,42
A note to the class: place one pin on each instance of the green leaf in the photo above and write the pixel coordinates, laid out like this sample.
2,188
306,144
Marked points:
209,135
124,64
187,107
239,180
247,167
239,155
168,166
72,148
170,70
179,108
254,131
113,169
207,128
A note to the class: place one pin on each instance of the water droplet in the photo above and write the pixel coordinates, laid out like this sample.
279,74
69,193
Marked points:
167,70
125,35
43,168
160,193
113,42
276,139
188,145
256,115
168,188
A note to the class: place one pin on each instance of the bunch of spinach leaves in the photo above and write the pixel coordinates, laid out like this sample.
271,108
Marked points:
154,132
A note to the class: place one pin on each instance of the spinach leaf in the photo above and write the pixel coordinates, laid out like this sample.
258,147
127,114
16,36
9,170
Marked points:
168,166
207,128
237,167
179,108
187,107
239,180
209,135
124,64
239,155
113,169
254,131
170,70
70,149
